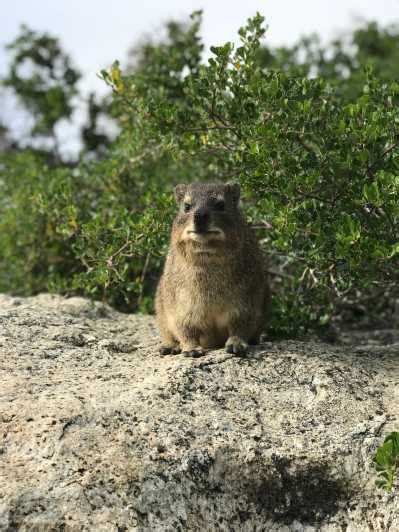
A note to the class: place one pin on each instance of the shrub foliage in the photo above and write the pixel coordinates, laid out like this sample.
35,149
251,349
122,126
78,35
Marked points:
319,168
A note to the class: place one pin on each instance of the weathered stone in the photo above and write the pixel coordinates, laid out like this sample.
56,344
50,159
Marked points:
98,432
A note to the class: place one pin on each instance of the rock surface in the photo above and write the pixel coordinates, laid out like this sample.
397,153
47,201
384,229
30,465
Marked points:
98,432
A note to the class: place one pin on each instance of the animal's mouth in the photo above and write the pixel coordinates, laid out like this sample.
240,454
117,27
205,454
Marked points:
203,236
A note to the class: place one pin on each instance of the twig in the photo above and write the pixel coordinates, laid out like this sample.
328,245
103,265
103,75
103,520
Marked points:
280,274
209,128
145,153
266,225
119,251
142,278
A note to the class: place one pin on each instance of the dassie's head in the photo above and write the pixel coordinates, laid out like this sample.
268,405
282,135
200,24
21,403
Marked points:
209,218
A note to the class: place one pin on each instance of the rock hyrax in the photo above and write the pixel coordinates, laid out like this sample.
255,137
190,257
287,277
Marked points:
213,291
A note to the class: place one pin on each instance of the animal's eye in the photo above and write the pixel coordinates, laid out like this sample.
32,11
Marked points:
187,207
220,205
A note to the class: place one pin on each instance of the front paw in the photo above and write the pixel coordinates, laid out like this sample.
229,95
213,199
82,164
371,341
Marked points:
169,350
196,352
236,346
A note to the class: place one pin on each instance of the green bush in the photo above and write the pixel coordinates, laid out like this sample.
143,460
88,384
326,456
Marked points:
319,172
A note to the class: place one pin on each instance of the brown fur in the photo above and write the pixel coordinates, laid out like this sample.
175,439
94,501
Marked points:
213,291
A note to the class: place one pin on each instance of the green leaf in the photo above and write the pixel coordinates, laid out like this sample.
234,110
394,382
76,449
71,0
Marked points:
386,461
371,193
394,250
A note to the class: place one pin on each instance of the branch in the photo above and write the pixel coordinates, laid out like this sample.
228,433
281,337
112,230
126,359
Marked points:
119,251
142,278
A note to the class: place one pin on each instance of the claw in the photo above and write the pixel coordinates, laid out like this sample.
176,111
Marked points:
194,353
169,350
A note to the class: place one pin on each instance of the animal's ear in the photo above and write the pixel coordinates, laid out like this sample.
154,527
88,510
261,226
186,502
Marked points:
180,192
234,190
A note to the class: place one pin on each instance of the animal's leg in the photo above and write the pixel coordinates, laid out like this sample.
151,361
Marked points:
170,345
241,330
237,345
189,338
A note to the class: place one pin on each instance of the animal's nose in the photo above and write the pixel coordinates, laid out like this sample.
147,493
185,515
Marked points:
201,218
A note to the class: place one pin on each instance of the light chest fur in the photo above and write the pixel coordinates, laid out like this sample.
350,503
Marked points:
204,298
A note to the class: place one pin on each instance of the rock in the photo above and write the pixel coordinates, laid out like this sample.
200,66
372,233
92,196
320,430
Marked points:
100,433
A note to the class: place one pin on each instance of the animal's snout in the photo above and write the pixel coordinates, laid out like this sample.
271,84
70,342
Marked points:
201,220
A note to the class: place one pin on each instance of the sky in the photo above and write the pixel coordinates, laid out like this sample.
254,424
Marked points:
96,32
